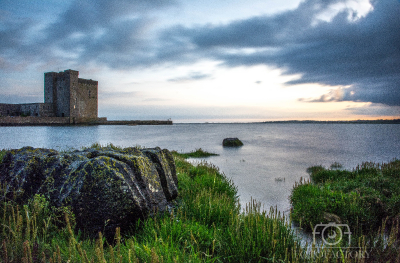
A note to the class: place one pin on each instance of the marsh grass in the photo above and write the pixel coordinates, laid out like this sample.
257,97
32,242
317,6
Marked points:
198,153
361,198
109,146
367,199
206,225
27,230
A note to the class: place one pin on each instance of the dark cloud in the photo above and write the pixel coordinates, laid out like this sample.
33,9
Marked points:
376,109
16,49
12,31
363,53
88,15
114,33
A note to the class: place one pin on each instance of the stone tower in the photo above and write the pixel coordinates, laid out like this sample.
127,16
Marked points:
71,96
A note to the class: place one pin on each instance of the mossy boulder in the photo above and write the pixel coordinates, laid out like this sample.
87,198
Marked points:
231,142
106,188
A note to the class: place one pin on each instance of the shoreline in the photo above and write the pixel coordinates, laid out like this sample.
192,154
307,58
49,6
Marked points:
67,121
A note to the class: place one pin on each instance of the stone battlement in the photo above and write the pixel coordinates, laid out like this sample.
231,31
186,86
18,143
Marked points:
87,81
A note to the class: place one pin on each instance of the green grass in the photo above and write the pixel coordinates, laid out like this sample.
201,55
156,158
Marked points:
206,225
98,146
361,198
2,153
366,199
198,153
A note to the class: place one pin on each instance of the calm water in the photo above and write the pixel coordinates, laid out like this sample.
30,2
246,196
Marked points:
270,151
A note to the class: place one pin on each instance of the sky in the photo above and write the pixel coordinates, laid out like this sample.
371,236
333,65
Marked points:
210,61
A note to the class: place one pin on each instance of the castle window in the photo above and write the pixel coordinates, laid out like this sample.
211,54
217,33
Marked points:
89,93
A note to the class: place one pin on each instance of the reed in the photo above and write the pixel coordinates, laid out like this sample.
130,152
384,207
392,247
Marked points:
2,153
258,236
26,229
361,198
367,199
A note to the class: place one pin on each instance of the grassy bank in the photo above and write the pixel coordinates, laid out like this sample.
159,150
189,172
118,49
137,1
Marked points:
366,199
206,225
361,198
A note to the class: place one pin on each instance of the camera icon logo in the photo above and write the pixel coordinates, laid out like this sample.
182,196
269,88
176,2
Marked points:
332,233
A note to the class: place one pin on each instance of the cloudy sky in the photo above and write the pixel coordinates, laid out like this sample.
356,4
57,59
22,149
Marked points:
210,61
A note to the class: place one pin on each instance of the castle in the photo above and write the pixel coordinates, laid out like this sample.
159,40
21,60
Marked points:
65,95
68,100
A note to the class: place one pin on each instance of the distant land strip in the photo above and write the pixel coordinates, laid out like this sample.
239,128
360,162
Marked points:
394,121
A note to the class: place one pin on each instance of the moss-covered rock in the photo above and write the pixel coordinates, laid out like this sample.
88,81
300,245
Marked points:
106,187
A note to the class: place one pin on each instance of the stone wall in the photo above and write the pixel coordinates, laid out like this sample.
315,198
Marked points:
50,85
50,121
75,120
10,109
84,99
38,109
63,87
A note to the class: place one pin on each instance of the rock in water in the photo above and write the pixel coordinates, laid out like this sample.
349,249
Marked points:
232,142
106,187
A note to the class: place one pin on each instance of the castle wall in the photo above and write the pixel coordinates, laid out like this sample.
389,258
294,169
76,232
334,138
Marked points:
50,84
28,109
10,109
64,81
84,99
37,109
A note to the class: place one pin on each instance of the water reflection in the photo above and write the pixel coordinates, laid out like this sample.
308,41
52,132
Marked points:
62,138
